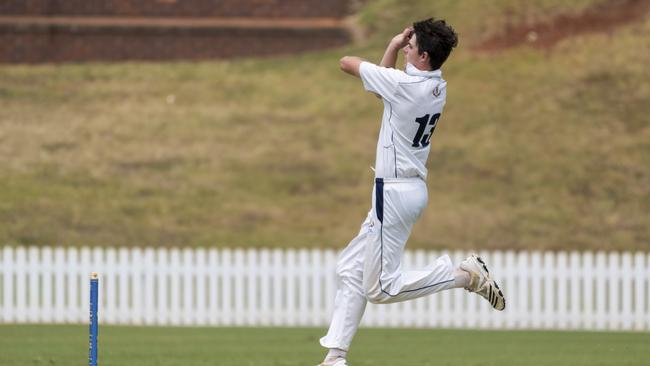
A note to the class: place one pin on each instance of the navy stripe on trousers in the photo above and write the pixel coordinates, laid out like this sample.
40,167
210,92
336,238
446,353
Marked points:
379,198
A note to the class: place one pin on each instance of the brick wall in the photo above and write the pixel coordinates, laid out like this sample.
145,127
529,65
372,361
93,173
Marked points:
38,44
177,8
35,31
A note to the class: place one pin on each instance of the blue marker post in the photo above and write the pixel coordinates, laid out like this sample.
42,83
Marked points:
94,296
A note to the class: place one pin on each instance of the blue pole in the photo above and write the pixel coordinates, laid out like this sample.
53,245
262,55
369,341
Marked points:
94,290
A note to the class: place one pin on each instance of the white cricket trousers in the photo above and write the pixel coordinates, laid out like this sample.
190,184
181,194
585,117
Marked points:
370,269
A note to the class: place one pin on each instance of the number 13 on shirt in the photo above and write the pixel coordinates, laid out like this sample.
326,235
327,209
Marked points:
421,139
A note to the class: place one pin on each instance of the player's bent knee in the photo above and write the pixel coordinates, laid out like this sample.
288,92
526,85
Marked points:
375,292
347,274
372,290
377,297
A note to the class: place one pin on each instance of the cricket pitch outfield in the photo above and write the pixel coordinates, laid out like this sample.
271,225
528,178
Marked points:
167,346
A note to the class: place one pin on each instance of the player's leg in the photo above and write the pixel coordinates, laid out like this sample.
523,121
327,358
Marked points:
397,204
396,207
350,301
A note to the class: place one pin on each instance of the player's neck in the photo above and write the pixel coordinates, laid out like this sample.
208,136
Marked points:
420,66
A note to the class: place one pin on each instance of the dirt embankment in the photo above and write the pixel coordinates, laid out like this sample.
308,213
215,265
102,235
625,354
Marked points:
602,17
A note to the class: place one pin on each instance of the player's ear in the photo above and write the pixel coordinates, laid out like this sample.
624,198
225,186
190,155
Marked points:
424,57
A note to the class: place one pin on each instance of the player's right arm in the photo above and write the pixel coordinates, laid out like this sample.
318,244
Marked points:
351,64
397,43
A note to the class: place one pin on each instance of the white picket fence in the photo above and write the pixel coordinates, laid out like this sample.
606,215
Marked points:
262,287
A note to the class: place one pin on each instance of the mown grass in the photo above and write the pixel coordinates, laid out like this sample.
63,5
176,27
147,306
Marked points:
539,149
142,346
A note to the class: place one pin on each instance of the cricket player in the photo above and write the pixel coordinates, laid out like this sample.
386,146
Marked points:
369,268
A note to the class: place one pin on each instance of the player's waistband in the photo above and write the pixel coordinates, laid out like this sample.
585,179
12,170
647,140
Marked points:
399,180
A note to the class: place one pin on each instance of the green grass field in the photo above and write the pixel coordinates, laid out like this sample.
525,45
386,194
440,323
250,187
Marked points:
135,346
536,149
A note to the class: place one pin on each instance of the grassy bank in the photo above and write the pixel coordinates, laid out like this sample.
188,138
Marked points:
544,149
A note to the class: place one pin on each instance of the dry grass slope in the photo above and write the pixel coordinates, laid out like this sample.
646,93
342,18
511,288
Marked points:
543,149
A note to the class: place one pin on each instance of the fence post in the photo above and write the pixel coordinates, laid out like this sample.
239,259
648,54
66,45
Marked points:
266,276
201,312
186,275
226,288
562,271
303,275
613,274
640,291
239,271
149,290
510,289
523,290
252,274
123,273
601,289
290,299
277,287
316,287
162,280
626,297
72,281
549,275
175,281
21,273
35,295
330,281
214,276
136,292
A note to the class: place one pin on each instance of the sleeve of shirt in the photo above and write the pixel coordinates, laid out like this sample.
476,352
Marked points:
379,80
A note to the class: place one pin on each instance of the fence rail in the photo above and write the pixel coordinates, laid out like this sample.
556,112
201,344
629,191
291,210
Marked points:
260,287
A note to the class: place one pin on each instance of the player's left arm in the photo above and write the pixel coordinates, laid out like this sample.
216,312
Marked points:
351,64
379,80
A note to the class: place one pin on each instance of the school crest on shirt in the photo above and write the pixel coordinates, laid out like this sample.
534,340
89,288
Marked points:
436,91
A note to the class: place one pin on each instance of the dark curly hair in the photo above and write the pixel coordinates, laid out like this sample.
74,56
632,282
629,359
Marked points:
437,38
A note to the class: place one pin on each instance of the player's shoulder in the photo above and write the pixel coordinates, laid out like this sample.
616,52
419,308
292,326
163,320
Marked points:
417,83
413,75
414,79
369,67
421,88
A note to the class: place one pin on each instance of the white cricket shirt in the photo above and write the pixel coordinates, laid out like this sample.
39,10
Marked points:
413,101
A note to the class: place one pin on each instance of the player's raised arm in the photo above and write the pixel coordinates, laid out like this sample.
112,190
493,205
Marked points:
351,64
397,43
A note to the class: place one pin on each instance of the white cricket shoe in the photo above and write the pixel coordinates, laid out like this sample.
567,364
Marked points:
481,283
338,362
492,293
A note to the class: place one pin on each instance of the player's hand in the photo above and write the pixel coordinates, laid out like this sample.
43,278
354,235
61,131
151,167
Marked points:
403,38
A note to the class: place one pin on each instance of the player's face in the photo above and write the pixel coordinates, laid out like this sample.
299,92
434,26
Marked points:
411,51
